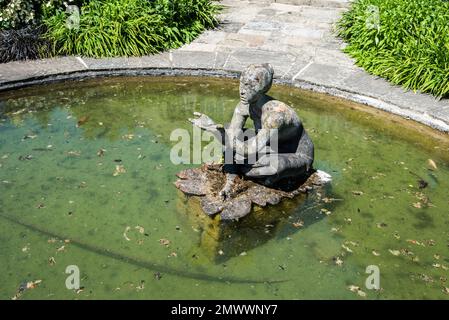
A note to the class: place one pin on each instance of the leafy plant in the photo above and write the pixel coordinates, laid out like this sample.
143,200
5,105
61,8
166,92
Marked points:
130,27
404,41
25,43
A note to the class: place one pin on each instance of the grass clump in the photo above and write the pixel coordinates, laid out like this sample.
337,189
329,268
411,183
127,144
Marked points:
404,41
109,28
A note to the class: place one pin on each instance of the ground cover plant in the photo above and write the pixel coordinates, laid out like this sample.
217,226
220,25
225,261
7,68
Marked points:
31,29
404,41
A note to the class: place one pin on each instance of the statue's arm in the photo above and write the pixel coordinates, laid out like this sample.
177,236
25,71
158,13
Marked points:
254,144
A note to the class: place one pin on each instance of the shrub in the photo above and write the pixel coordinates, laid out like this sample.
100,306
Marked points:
404,41
17,13
130,27
21,44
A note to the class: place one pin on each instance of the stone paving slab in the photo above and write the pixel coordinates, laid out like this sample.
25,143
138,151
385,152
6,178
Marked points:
295,36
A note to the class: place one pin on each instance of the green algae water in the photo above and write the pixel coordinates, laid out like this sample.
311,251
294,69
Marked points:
86,180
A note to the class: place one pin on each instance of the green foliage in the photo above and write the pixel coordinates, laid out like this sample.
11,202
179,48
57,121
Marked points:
17,13
110,28
404,41
21,44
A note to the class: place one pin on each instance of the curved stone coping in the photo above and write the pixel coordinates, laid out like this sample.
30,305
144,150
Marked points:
298,40
424,118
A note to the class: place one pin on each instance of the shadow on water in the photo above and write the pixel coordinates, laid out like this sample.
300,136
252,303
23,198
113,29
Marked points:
223,240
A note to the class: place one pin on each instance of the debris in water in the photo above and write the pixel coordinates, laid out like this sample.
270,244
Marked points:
432,164
298,224
338,261
82,121
394,252
357,193
119,169
81,289
101,152
74,153
374,252
51,261
140,229
173,254
27,157
157,276
128,137
29,136
357,290
25,286
164,242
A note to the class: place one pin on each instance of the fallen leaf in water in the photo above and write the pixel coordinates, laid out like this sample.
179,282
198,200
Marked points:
436,256
330,200
128,137
157,275
101,152
357,193
29,136
417,205
397,236
374,252
125,235
74,153
51,261
446,290
82,120
33,284
27,157
325,211
81,289
60,249
381,225
394,252
173,254
346,248
164,242
357,290
298,224
338,261
416,242
361,293
119,169
26,248
432,164
140,229
422,184
141,286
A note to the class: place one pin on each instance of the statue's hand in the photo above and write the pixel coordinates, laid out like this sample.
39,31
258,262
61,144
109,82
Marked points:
267,165
204,122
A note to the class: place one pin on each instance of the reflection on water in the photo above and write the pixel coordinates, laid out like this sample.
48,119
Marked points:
86,179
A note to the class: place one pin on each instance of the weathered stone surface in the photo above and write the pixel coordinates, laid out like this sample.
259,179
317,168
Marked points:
207,181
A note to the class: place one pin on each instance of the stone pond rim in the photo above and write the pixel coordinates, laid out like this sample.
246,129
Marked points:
428,118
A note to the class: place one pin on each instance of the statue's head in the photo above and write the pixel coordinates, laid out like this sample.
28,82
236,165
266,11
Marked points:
255,81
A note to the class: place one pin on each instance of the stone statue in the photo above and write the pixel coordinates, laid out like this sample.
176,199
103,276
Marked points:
295,148
286,153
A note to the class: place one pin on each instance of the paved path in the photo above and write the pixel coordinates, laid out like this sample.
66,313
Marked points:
298,40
